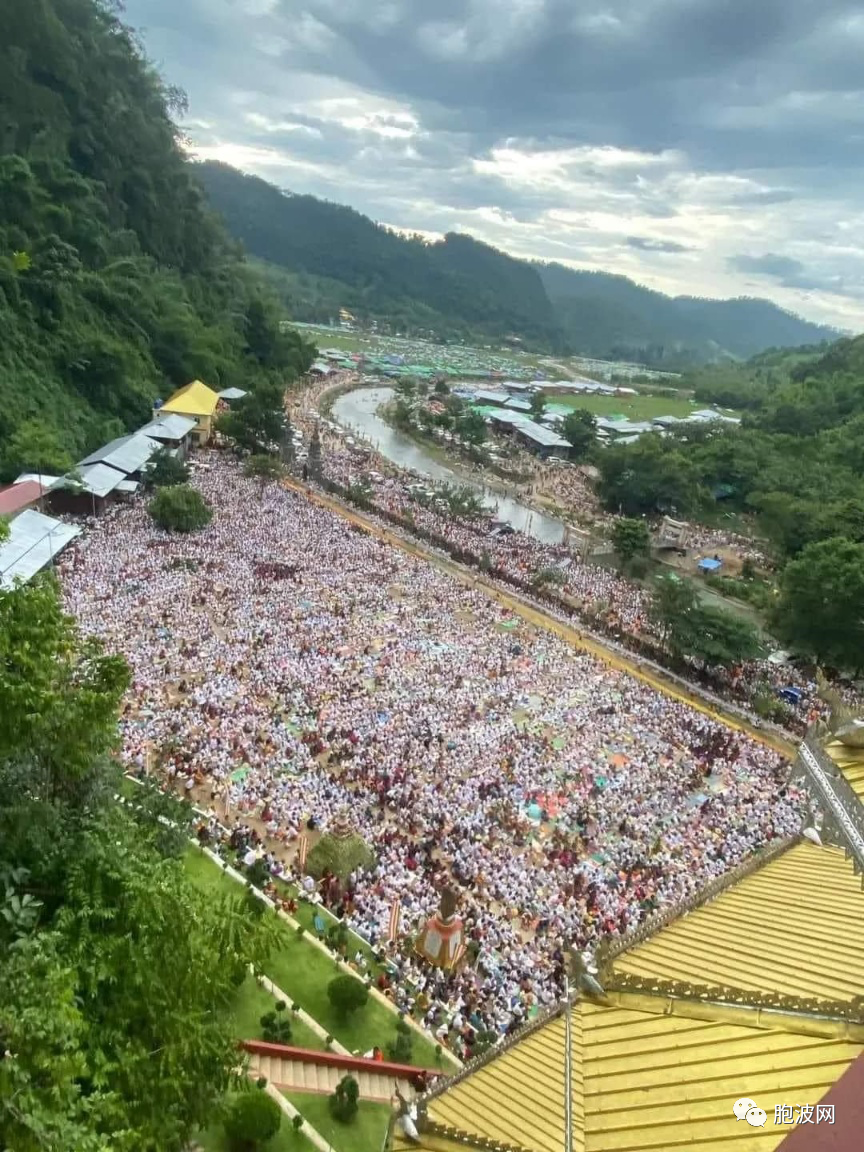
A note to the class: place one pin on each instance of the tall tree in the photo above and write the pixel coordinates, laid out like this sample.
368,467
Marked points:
820,610
579,430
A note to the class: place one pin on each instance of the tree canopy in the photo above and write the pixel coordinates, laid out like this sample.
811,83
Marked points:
115,972
117,283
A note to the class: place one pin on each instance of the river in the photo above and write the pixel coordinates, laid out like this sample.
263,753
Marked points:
358,411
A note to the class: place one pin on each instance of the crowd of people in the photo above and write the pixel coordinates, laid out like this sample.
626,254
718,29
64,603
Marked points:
287,667
599,595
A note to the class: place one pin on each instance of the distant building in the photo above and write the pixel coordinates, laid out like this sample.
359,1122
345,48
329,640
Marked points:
196,401
173,432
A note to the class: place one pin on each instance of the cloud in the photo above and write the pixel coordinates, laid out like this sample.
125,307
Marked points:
646,244
608,134
778,267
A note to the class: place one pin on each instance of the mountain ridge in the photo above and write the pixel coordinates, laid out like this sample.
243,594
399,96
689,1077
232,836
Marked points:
324,256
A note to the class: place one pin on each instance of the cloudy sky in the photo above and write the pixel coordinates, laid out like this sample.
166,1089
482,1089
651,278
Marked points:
712,147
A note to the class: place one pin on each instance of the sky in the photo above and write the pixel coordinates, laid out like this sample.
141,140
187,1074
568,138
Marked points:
702,147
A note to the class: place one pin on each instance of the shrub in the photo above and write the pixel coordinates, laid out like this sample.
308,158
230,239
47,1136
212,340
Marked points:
343,1102
347,994
297,1122
258,873
253,1119
180,509
400,1050
275,1026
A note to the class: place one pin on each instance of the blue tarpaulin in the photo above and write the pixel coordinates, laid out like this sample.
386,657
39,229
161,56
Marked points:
791,695
709,564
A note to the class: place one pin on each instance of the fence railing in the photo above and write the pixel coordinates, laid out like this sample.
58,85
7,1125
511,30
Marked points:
841,804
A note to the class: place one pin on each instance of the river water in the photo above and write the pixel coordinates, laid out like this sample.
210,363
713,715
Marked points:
358,411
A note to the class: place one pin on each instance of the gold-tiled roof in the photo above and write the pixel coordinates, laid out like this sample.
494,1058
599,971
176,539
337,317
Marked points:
518,1098
194,399
850,761
644,1081
794,926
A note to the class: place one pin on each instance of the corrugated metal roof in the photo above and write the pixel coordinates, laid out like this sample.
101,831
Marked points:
40,477
171,426
128,486
17,496
195,399
33,540
506,416
96,479
126,453
487,397
541,435
518,405
232,394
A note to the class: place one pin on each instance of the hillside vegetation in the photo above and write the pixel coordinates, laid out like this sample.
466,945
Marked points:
323,257
117,283
797,459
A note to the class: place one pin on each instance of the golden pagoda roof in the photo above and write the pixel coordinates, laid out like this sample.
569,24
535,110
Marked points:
794,926
658,1064
850,761
193,399
644,1081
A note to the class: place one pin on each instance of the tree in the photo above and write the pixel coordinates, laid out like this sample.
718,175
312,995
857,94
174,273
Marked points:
180,509
717,637
471,427
820,609
579,430
256,422
36,446
647,477
672,603
314,463
347,994
59,696
538,405
253,1118
266,468
100,1016
276,1025
344,1101
630,538
166,470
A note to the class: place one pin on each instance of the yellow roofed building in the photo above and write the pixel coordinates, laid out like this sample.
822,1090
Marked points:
751,993
197,401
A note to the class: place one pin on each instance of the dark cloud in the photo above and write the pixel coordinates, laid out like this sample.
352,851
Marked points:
780,267
645,244
574,131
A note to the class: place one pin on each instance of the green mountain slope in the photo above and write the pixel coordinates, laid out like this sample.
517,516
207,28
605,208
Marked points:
326,257
596,307
117,284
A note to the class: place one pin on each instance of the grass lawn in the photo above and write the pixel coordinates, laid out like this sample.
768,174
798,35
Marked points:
642,407
366,1134
250,1005
285,1140
303,973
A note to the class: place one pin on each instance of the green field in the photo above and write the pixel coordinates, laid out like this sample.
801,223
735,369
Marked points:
642,407
365,1134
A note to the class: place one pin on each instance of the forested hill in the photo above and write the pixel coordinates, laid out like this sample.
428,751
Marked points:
604,314
323,257
340,259
117,283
